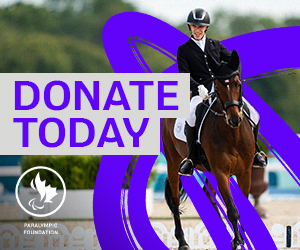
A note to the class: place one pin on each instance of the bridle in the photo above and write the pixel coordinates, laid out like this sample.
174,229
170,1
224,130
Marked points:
226,81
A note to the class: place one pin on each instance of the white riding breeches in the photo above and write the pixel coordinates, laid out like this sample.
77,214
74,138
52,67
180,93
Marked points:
254,115
193,104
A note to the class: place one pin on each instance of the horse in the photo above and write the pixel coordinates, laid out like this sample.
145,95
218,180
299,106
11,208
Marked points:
227,140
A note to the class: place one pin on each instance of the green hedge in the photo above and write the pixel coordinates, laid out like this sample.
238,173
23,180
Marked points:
78,172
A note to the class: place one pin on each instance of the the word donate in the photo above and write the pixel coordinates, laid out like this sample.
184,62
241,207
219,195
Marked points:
90,113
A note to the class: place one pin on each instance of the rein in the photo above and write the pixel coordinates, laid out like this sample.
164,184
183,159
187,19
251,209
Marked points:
221,115
224,115
239,104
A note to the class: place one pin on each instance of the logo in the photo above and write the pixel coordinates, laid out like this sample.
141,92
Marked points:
47,192
41,199
178,127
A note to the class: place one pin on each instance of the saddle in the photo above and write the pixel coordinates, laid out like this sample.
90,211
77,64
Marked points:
201,113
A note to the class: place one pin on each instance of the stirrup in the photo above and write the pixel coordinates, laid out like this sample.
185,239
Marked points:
184,160
188,169
265,159
265,156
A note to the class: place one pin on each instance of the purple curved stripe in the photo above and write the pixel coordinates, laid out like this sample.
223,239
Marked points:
106,203
281,161
221,210
250,220
138,216
207,212
118,50
213,181
123,208
260,52
276,131
139,57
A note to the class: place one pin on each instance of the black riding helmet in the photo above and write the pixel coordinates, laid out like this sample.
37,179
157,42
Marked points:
198,17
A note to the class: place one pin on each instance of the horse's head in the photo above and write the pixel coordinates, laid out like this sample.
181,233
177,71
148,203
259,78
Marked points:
228,88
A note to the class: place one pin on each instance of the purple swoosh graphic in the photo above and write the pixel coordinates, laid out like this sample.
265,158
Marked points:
207,212
259,54
137,206
106,202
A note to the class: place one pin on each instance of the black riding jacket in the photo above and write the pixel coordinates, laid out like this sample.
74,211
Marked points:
191,59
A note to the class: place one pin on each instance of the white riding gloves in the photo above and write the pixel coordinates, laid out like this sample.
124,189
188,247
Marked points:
203,92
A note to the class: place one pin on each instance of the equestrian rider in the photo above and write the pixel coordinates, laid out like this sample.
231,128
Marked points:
192,58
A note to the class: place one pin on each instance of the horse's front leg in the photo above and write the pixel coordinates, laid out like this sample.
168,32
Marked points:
244,182
232,212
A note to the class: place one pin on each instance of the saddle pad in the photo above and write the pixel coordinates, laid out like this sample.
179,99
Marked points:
179,129
180,123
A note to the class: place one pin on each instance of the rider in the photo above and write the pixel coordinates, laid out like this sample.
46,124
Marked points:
192,58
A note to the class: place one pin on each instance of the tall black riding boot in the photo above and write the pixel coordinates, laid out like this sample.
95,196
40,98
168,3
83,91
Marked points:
187,165
259,161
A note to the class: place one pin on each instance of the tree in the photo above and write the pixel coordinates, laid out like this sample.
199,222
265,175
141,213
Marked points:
45,53
281,92
292,22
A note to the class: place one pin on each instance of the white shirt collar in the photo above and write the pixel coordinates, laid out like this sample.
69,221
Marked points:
201,42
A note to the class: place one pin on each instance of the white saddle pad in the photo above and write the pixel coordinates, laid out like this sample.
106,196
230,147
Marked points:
179,129
180,123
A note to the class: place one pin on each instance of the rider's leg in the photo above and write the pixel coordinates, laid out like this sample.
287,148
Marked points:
187,165
259,160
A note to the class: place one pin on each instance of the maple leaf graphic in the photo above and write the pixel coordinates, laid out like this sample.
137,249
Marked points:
45,192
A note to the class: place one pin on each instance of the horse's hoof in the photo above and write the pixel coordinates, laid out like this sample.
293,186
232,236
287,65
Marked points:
185,247
233,245
236,244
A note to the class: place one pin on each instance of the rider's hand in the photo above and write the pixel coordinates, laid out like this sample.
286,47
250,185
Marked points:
203,92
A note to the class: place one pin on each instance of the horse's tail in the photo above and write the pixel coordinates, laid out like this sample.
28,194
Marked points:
169,198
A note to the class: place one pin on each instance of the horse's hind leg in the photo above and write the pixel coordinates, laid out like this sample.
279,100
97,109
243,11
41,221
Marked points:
172,195
172,187
232,213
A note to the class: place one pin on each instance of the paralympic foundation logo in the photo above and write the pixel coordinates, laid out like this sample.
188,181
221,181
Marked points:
45,192
42,200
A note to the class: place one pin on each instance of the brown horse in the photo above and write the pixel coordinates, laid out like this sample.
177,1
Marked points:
227,140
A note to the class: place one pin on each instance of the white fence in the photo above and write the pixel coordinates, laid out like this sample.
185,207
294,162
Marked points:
61,239
80,239
78,204
199,238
